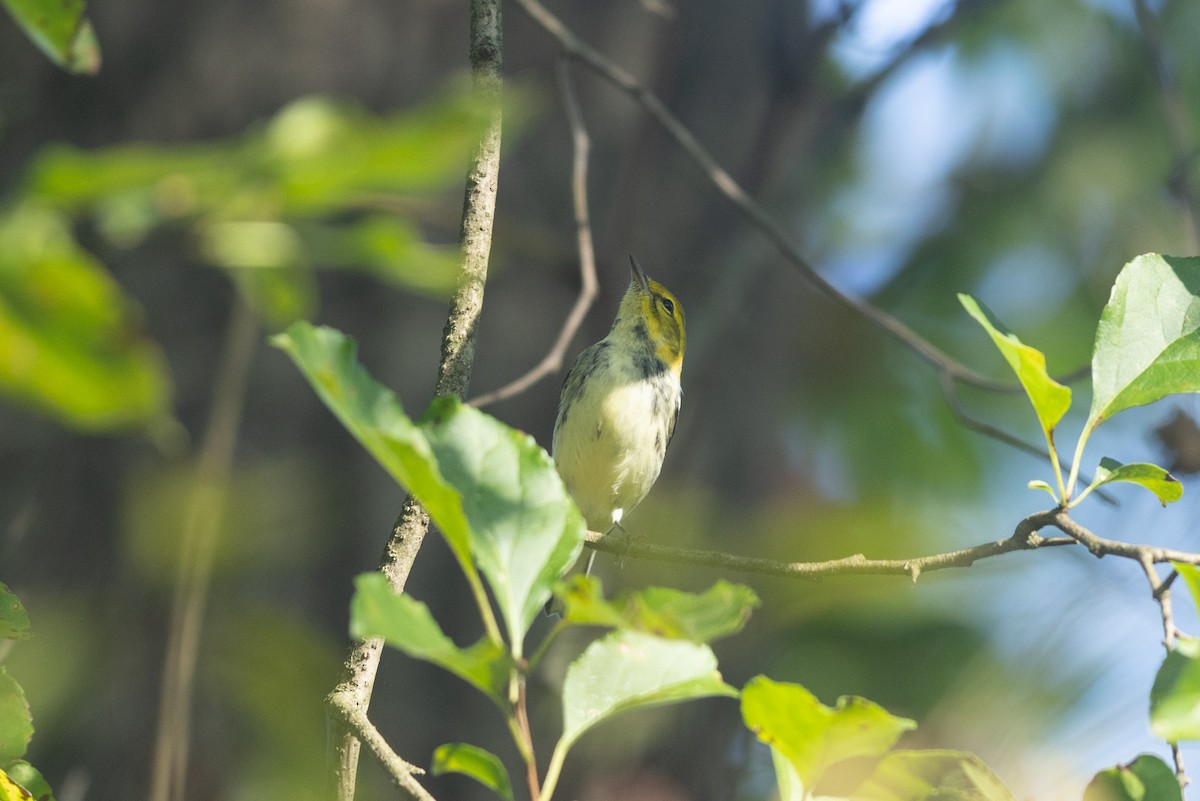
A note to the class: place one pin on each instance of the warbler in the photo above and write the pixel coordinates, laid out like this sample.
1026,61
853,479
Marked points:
619,405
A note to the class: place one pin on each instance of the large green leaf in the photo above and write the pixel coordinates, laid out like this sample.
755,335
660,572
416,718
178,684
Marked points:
1148,340
718,612
493,492
933,774
469,760
69,339
813,737
1151,476
1050,399
1147,778
525,530
61,30
16,724
14,621
626,670
374,416
1175,696
406,624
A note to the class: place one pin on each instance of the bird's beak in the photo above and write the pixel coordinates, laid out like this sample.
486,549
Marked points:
638,275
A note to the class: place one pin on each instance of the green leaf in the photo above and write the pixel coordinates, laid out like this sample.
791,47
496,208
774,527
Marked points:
1050,399
14,622
932,774
1148,340
61,30
373,415
69,337
1190,575
525,530
469,760
814,737
30,779
1150,476
493,492
406,624
627,670
1038,484
1175,696
718,612
16,724
1147,778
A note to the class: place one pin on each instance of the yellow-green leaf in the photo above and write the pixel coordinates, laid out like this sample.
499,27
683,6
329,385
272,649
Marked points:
1050,399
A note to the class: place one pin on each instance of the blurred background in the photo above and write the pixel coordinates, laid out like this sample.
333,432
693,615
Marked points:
304,159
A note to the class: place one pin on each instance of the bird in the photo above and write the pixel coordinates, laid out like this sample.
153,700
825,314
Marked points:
619,405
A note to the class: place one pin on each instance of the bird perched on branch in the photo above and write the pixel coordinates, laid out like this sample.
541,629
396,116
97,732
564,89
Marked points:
619,405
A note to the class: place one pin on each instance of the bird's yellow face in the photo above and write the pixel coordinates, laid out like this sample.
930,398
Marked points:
664,318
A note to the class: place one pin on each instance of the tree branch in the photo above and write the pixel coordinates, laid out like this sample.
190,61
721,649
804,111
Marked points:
348,703
1024,538
355,720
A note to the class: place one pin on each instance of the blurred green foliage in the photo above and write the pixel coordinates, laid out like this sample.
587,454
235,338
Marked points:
321,185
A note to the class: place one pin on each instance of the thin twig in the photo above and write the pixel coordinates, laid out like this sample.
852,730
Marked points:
552,362
1024,538
575,47
1100,547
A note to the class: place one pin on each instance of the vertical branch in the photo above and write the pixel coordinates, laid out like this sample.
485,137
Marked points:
352,695
479,205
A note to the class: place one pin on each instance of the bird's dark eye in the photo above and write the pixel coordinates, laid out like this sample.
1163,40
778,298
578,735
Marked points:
668,305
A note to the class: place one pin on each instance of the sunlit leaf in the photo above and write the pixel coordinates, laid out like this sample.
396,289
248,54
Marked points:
1175,696
61,30
627,670
11,791
16,723
814,737
525,530
373,415
1148,340
69,339
1038,484
1151,476
469,760
1050,399
1147,778
493,492
14,621
718,612
933,774
406,624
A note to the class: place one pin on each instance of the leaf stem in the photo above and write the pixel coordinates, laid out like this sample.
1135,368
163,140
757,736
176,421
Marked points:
553,770
1075,461
1058,476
